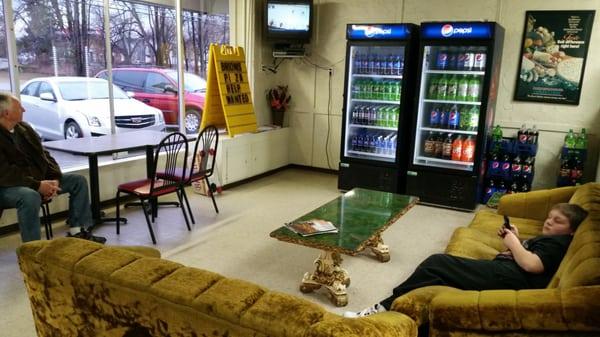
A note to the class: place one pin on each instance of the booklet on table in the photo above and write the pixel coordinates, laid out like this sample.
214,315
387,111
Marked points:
312,227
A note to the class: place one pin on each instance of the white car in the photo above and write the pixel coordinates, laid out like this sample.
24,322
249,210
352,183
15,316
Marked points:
75,107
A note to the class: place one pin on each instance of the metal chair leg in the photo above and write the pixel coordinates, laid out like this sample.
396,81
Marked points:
148,221
46,220
118,213
212,195
187,222
187,202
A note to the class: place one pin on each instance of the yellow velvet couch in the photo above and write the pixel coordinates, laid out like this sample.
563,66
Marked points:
80,288
569,306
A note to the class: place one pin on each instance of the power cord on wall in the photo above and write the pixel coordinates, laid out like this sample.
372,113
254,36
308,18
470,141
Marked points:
330,70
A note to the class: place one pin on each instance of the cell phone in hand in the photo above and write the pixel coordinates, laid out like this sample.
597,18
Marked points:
507,223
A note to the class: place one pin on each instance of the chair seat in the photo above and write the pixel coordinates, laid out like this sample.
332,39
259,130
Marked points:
142,188
178,175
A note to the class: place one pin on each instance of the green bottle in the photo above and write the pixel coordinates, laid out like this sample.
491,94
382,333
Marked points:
474,119
442,88
433,87
463,87
452,88
582,140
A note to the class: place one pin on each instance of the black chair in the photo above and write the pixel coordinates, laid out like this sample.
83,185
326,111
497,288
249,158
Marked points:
175,149
202,166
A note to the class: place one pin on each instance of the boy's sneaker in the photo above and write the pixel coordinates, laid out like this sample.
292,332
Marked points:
375,308
85,235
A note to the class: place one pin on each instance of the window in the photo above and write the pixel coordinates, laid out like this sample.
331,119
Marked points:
31,89
129,80
156,83
45,87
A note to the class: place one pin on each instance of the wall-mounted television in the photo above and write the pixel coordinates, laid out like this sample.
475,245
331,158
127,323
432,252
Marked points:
288,21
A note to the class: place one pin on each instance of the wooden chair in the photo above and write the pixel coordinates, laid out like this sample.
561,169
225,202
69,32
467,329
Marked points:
175,149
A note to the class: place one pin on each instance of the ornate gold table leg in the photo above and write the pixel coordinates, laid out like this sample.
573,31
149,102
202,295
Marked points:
381,251
329,274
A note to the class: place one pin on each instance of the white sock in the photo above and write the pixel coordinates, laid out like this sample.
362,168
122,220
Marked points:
74,230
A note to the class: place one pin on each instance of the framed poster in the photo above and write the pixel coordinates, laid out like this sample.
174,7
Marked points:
553,55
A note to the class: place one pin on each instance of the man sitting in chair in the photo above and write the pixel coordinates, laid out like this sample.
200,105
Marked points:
29,175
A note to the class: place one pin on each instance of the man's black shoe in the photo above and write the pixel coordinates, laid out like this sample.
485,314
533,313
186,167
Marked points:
87,236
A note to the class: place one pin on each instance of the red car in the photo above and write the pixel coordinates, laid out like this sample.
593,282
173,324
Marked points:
157,87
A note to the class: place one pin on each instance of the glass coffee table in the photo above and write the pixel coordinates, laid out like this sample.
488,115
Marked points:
361,216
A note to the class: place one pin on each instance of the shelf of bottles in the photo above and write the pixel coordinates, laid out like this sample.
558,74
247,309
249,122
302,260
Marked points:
572,158
373,106
510,162
449,107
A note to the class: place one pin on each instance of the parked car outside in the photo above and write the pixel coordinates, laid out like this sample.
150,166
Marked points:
74,107
157,87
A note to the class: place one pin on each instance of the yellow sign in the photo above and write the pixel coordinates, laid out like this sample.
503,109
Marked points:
228,99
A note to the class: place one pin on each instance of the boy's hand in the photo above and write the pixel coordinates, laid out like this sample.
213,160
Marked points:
513,229
510,240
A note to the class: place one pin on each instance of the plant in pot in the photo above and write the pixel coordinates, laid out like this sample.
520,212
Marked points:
279,99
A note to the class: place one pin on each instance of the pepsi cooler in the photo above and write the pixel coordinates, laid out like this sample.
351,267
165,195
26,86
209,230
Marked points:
457,85
378,91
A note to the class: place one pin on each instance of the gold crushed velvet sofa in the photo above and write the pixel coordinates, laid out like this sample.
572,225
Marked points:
569,306
81,288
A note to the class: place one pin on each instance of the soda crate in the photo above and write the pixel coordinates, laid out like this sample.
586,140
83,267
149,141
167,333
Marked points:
569,152
574,172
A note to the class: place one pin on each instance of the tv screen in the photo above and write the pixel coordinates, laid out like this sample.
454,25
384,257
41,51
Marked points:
288,20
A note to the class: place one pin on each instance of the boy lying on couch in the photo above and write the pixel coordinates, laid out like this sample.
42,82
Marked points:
524,265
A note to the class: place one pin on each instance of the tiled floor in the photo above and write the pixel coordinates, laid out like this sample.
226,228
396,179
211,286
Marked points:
235,242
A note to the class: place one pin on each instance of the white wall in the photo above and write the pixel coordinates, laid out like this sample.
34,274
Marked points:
309,114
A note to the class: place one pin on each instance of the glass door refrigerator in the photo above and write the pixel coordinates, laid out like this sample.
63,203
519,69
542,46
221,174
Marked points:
378,92
456,95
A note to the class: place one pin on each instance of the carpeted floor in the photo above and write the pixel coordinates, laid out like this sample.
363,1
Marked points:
236,243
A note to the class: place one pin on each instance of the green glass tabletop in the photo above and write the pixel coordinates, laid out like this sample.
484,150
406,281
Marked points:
359,215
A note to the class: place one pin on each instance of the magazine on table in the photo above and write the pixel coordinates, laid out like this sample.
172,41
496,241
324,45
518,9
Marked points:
312,227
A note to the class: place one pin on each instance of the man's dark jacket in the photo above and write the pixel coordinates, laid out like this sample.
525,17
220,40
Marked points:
25,168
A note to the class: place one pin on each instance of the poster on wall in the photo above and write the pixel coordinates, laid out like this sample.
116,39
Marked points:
553,55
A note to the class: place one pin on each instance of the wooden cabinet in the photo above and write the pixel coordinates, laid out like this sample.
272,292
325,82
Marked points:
248,155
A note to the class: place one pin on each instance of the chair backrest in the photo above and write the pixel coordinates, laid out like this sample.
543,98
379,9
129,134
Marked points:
175,149
205,153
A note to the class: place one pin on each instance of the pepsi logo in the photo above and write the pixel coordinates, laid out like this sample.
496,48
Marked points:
447,30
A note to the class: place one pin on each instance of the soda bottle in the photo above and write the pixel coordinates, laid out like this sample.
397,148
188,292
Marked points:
565,171
505,167
468,150
570,140
497,134
373,115
501,187
434,117
364,67
357,64
354,143
447,147
494,164
474,120
453,118
469,59
389,66
377,64
532,137
444,116
397,69
516,167
525,186
429,145
460,58
473,89
354,115
442,88
479,59
387,91
452,58
465,118
438,147
442,59
522,135
527,169
396,114
397,90
462,89
457,145
576,170
452,88
581,141
489,191
432,90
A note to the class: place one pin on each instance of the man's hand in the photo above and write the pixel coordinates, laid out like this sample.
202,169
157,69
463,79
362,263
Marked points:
48,189
511,241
